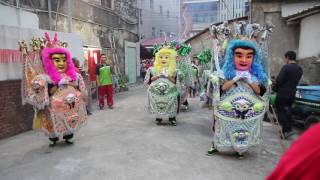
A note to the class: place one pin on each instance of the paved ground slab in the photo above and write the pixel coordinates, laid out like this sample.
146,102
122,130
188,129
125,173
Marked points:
126,144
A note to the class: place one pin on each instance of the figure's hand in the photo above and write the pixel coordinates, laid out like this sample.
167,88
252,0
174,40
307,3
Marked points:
154,78
165,73
236,78
63,82
247,77
37,85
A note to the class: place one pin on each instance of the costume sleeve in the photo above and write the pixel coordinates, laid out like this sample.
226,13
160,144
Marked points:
216,84
39,96
178,82
82,86
254,79
280,79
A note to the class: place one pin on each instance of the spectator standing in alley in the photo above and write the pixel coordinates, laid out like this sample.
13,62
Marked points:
285,87
104,81
143,69
76,64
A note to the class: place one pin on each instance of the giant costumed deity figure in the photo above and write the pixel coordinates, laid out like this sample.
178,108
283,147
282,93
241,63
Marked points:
56,91
163,90
185,70
240,90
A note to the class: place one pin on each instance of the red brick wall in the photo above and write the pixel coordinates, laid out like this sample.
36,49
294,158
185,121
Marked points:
14,118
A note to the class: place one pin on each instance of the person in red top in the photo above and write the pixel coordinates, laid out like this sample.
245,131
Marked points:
302,160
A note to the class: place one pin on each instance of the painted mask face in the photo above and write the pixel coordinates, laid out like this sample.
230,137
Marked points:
164,59
60,62
243,59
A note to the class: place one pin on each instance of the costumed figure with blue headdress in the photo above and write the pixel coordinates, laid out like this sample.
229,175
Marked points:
164,86
54,88
240,94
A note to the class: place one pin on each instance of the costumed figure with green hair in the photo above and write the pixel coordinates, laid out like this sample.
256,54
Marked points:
205,89
185,74
163,90
240,90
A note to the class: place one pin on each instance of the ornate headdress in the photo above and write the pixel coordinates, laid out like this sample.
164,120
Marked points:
181,48
56,47
228,37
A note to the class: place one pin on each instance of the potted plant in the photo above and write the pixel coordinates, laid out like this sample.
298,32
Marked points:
123,83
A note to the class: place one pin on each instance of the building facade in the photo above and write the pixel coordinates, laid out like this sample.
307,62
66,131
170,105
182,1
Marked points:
159,18
296,28
198,15
101,26
231,9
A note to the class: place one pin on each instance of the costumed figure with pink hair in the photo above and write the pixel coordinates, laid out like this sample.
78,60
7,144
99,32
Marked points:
51,84
241,88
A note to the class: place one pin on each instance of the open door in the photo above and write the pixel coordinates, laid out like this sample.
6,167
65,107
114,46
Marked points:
132,65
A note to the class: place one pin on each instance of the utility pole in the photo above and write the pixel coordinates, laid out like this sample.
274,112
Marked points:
69,16
139,18
19,12
232,9
250,10
50,15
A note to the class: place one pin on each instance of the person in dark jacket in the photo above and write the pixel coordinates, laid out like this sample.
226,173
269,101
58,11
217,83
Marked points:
285,87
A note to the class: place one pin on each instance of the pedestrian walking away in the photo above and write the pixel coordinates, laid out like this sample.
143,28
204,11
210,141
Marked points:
285,87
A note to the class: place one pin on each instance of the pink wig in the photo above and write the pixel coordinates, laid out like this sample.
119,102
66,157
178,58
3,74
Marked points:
49,67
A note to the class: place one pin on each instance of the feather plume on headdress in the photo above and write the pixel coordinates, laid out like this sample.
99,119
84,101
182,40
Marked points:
54,47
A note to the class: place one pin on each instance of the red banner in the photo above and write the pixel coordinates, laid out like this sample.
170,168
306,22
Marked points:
10,55
93,60
13,56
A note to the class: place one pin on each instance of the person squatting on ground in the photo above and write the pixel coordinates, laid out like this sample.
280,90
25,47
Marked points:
58,94
285,87
240,109
163,86
104,82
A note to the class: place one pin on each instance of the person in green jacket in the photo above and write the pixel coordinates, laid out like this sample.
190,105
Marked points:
104,81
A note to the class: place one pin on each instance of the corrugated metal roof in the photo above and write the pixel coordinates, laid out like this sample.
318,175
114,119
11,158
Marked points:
294,9
199,1
152,41
303,14
207,28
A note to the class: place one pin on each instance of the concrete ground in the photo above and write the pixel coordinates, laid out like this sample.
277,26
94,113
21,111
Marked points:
126,144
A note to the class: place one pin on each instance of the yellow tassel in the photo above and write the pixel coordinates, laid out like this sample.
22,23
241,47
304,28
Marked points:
225,44
37,120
